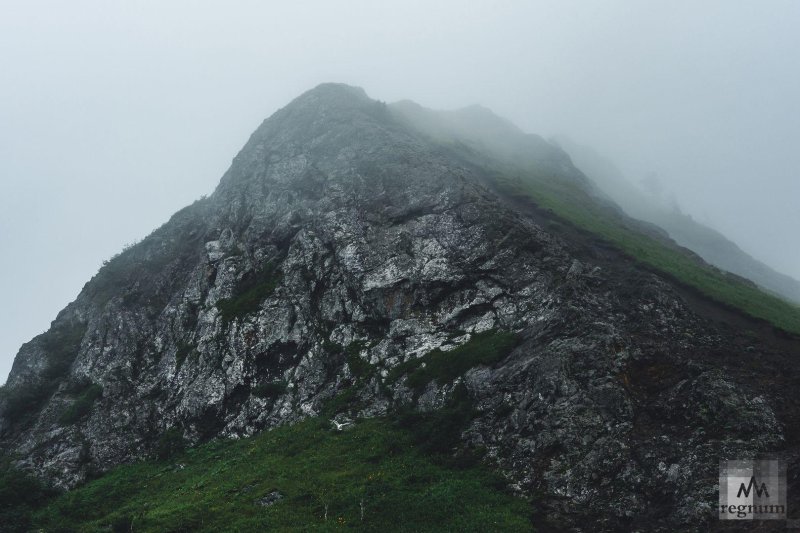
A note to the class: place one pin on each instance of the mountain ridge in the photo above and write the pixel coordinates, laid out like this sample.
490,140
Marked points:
712,245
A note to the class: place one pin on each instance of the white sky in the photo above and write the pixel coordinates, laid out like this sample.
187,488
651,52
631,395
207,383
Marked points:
114,115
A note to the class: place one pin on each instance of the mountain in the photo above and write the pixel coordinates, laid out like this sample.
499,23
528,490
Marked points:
710,244
442,274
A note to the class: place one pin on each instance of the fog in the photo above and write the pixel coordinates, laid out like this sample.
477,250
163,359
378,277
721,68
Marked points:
113,116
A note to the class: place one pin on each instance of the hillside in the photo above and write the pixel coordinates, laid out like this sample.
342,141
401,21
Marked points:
526,167
374,475
410,271
708,243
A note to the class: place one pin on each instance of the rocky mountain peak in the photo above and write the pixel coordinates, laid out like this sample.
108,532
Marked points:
333,95
358,259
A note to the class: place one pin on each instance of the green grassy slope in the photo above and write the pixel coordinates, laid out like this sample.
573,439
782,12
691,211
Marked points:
570,202
383,465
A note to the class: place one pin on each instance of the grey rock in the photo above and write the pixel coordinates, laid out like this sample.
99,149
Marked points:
270,499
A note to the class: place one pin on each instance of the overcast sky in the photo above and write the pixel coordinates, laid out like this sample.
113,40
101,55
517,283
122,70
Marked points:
113,115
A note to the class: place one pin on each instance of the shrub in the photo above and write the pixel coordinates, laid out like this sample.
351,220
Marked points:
574,208
61,345
359,367
185,349
20,402
332,347
20,494
440,431
373,477
269,390
122,524
251,290
486,348
345,399
82,405
170,444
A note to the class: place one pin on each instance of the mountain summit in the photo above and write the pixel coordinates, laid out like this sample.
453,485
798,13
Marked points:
360,260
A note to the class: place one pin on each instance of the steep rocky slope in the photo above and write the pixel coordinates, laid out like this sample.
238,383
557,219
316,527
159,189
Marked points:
343,249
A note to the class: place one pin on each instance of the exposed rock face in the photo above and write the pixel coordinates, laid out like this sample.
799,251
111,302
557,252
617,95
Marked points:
337,226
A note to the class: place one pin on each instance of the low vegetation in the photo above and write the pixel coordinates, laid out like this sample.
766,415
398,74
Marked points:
345,400
439,432
486,348
20,495
60,345
269,390
376,475
517,174
250,292
360,368
170,444
85,394
136,274
572,204
185,350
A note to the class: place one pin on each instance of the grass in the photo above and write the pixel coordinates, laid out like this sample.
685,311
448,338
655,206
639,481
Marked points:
20,496
185,350
439,432
270,390
61,345
359,367
571,203
251,290
345,400
134,273
170,444
519,176
85,397
374,477
486,348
